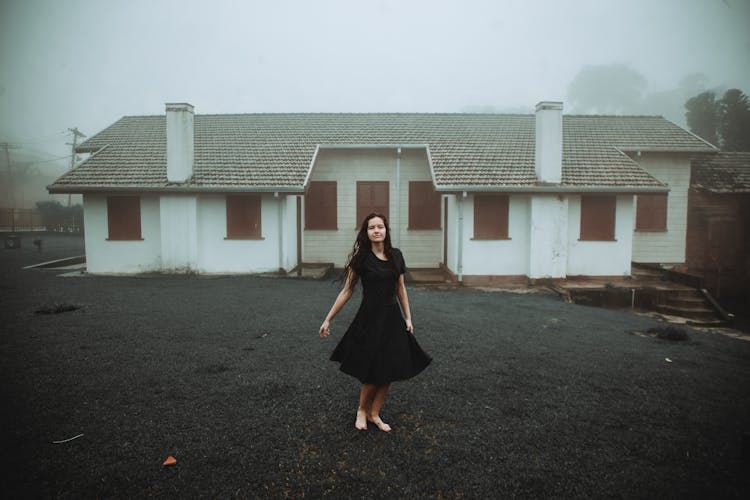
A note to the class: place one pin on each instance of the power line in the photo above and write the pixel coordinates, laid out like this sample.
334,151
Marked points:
53,159
76,135
42,139
7,148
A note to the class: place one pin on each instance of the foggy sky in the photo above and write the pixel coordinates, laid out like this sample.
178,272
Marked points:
86,63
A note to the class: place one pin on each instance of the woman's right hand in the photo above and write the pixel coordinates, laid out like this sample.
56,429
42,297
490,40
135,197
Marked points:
325,329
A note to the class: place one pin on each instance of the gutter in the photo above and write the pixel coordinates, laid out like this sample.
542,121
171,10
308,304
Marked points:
430,165
309,170
552,189
370,146
82,189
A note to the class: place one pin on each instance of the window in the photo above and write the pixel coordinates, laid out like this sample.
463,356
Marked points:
243,217
424,206
490,217
651,212
372,196
124,217
598,217
320,205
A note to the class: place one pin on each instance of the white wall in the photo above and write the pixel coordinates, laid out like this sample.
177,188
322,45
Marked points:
179,238
346,167
557,249
498,257
669,246
216,254
170,224
548,236
104,256
600,258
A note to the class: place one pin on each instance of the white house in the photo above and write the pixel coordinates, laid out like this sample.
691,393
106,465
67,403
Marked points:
482,196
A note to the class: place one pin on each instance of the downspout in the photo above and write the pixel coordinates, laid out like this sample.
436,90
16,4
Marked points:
397,221
460,250
299,235
281,230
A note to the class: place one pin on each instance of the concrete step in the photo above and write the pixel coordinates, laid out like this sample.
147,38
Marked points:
428,277
688,302
712,323
694,313
689,293
312,271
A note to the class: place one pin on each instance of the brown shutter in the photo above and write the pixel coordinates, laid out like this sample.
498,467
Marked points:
598,217
424,206
490,217
651,212
124,217
321,206
243,216
372,196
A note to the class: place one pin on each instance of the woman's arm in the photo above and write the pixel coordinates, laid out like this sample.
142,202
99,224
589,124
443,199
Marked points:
404,299
342,298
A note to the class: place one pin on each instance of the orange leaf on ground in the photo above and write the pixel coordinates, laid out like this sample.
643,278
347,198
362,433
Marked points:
170,460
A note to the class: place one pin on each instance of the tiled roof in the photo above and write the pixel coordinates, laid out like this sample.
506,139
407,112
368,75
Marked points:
253,151
722,173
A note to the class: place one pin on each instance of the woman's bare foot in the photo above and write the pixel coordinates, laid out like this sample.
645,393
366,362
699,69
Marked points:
379,423
361,423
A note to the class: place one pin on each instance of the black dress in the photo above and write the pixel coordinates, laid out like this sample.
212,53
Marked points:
377,349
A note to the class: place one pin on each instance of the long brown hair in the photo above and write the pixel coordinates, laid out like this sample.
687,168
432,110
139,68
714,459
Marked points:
362,246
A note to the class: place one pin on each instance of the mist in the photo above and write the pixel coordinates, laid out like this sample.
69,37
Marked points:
85,64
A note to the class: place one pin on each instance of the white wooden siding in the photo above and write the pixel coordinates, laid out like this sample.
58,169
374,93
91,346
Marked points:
669,246
421,248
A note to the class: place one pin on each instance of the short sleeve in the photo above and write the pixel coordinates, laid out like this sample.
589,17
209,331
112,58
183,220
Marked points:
400,263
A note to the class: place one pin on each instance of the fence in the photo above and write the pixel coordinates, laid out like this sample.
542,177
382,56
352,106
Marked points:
30,219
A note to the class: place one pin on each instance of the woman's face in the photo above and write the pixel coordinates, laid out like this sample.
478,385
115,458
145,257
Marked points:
376,230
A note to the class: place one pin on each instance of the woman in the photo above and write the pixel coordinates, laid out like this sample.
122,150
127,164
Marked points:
379,347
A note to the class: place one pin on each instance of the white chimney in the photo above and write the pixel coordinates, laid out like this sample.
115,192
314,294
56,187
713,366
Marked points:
548,154
179,142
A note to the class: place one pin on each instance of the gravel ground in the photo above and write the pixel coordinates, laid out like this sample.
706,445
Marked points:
527,397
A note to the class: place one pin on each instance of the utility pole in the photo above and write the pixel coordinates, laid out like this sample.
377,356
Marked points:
11,202
76,135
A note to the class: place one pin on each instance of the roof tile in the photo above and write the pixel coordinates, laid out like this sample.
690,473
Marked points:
275,150
722,173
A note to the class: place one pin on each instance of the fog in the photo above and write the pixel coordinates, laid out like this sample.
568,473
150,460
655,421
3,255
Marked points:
86,63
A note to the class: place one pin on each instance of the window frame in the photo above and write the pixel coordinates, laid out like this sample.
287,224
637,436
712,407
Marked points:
249,207
320,214
491,217
124,218
651,212
424,206
598,220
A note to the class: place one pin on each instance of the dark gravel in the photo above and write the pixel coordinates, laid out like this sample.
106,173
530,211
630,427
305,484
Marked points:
527,396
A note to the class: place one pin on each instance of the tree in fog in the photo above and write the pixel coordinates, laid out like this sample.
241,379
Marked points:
734,127
724,122
607,89
703,116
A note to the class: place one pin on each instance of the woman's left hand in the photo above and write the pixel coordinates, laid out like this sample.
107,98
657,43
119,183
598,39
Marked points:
409,326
